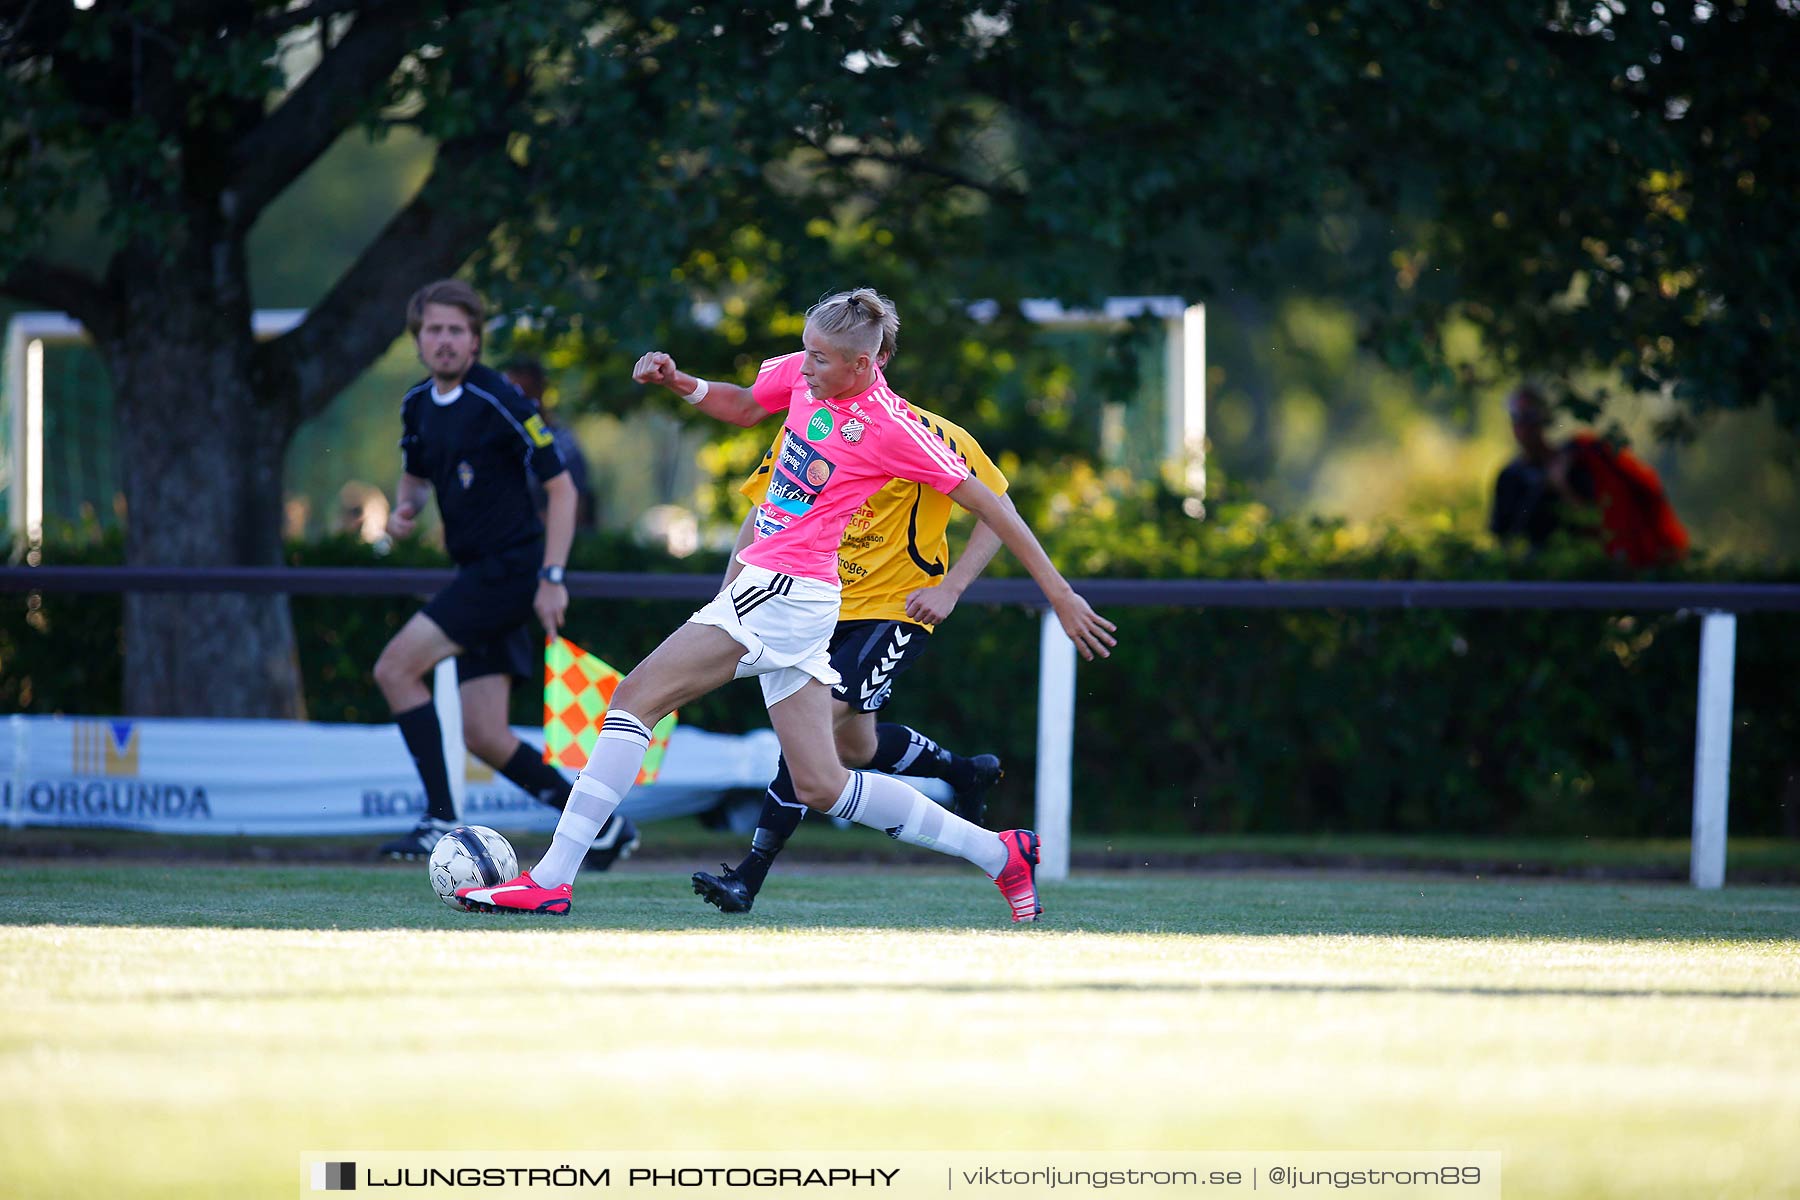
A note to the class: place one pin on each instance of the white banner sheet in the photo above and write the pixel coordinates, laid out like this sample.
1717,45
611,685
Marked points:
302,778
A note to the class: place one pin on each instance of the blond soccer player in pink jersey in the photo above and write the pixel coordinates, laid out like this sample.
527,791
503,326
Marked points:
846,434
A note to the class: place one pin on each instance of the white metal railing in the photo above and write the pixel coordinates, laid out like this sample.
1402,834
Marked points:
1712,747
1720,604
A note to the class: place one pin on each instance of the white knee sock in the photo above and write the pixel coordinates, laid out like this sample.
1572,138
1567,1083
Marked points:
598,790
908,815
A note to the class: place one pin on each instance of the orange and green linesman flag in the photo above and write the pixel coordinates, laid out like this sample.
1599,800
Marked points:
577,688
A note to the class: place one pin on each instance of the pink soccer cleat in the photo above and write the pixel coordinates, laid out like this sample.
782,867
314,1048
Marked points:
1018,878
521,895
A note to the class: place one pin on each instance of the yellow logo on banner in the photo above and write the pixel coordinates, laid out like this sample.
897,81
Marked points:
105,748
577,688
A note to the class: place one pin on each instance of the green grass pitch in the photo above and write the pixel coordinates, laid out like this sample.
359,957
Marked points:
188,1030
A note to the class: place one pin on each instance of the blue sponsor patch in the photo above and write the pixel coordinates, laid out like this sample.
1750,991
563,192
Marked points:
805,464
789,496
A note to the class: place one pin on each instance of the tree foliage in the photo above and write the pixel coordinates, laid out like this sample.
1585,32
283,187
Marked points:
1595,184
1598,183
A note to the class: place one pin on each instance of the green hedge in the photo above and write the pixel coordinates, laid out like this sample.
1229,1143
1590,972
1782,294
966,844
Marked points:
1210,721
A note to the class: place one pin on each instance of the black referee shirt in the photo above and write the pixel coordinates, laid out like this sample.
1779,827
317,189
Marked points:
475,451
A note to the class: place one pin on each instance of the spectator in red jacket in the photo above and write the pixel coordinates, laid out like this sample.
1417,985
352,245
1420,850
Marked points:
1547,481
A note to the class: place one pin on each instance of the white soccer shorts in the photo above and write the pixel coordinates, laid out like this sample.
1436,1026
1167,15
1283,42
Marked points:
784,624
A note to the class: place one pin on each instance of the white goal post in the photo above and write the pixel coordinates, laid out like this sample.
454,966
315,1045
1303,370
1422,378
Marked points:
22,470
1184,462
22,402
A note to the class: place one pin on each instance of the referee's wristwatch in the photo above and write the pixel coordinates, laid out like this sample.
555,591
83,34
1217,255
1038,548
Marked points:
551,574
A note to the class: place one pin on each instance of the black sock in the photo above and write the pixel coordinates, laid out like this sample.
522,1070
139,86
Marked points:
901,750
541,781
773,829
425,739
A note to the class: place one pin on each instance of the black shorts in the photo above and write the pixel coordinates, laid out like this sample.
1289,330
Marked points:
868,654
487,611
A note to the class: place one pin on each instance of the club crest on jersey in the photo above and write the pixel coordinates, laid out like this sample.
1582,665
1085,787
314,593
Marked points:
819,428
465,474
853,431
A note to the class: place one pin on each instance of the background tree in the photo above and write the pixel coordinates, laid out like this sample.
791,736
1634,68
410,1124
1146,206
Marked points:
179,124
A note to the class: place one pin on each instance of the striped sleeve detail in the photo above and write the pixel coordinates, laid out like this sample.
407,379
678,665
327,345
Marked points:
408,434
965,445
943,436
406,401
945,430
934,449
775,382
500,408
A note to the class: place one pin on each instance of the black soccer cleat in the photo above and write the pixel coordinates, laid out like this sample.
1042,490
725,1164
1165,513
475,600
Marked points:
618,838
419,842
970,800
728,891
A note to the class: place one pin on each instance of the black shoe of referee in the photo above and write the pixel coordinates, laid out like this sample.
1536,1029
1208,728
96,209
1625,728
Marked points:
618,838
419,843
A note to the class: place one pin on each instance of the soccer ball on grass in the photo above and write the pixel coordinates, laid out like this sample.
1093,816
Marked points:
470,856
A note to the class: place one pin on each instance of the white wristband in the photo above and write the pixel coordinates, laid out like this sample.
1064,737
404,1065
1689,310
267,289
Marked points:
699,393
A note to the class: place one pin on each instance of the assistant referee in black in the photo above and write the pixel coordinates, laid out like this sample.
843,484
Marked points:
471,437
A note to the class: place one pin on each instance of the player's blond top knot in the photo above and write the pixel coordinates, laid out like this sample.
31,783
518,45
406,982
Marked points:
863,322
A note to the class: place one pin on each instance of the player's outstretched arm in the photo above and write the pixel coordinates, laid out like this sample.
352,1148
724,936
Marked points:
1091,632
725,401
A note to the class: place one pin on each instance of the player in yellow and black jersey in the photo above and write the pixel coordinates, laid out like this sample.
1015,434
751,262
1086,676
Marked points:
896,590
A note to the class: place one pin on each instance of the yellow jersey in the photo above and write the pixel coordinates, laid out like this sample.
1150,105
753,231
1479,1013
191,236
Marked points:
898,541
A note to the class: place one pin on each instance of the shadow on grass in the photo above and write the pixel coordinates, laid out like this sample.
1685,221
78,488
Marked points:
901,899
1751,860
710,989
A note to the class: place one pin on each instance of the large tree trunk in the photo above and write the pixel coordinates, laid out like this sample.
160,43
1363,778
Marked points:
202,462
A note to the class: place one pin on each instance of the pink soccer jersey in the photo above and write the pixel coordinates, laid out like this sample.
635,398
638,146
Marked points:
834,455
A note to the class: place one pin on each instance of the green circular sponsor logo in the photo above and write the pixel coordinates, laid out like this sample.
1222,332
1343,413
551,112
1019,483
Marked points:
819,428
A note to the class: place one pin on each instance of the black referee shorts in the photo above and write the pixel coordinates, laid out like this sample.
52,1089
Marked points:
487,611
868,654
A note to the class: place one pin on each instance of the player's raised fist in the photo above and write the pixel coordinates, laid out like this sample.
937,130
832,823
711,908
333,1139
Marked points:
655,367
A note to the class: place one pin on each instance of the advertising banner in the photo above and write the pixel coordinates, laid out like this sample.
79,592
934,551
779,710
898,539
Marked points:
298,778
